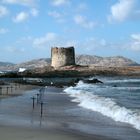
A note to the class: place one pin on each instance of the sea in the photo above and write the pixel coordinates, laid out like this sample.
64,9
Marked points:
117,98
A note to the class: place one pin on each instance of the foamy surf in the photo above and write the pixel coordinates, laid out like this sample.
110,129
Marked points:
106,106
123,81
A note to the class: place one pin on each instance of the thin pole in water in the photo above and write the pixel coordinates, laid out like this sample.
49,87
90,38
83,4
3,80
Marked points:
11,89
0,90
33,98
41,113
37,97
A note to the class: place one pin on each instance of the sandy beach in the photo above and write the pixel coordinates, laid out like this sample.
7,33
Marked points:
61,119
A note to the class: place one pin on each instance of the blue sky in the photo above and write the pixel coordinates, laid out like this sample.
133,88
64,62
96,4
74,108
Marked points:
29,28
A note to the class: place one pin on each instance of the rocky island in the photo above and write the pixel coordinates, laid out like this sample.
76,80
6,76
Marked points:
64,63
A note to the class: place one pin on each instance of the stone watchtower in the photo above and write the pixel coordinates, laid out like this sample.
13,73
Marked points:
62,57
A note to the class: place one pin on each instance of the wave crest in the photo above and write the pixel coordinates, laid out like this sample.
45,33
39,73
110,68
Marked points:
106,106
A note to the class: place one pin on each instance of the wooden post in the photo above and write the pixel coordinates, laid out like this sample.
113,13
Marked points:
37,97
15,86
33,98
11,89
7,89
41,111
0,90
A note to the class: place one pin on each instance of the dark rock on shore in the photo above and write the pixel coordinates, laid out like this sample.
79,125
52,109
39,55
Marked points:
114,85
93,81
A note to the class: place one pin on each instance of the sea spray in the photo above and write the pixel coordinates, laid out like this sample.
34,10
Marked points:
106,106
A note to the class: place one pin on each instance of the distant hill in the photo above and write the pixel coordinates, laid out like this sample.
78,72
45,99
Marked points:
6,66
80,60
104,61
36,63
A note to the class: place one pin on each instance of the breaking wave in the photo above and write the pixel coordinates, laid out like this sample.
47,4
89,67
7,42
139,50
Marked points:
106,106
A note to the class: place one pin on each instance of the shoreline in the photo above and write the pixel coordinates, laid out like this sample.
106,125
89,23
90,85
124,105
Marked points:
62,119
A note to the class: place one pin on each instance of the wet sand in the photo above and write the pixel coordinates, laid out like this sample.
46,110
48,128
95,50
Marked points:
14,89
14,133
62,119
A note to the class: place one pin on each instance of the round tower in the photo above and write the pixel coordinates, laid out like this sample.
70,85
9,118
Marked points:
62,57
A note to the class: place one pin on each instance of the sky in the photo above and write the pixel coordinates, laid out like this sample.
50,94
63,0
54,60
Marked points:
29,28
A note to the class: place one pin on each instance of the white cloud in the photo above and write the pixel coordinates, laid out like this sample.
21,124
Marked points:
23,40
34,12
82,7
121,10
54,14
3,11
103,42
20,2
51,40
70,43
136,37
13,49
45,40
135,42
82,21
57,16
136,14
93,43
59,2
21,17
3,30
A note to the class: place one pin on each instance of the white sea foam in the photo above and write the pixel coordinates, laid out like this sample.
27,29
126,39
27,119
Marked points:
127,88
123,81
106,106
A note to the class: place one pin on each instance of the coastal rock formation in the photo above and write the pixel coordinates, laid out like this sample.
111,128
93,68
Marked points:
62,57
